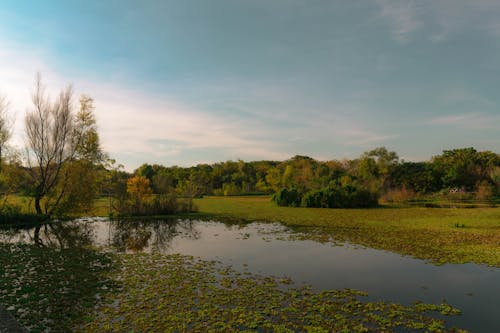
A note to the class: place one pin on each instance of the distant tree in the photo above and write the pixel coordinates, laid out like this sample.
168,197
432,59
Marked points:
5,127
163,181
384,159
420,177
85,138
273,178
373,168
495,178
139,190
465,167
146,170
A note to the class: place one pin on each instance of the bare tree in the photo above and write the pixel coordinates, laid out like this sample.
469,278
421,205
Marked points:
49,129
5,127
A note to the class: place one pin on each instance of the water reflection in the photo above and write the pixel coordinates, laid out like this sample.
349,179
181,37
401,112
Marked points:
119,235
63,235
150,236
56,234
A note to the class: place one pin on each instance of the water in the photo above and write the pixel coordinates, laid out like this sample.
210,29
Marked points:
276,250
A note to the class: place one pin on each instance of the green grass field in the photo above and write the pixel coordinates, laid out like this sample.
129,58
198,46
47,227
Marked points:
441,235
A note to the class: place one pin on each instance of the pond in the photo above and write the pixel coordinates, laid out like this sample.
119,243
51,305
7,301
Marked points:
306,256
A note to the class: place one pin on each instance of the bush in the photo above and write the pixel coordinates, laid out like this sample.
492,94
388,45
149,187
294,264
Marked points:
316,198
337,196
161,204
287,197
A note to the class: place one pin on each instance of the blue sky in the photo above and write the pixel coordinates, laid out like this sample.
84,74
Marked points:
185,82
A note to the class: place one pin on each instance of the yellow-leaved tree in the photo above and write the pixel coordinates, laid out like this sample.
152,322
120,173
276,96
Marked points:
139,191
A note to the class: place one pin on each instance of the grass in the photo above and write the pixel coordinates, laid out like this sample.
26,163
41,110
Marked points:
426,233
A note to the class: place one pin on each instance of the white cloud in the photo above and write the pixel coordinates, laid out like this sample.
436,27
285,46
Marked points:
129,120
440,18
454,16
364,137
468,121
403,17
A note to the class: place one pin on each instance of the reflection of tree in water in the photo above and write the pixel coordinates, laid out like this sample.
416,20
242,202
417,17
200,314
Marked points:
63,235
129,235
134,235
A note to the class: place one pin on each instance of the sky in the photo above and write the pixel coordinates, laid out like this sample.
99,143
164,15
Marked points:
188,82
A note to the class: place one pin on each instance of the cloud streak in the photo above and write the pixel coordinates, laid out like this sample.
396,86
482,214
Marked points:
403,17
439,19
468,121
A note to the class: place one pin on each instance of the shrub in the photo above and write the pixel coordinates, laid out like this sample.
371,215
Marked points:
287,197
315,198
337,196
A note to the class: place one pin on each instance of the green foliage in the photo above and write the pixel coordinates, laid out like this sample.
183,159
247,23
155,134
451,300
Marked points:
230,189
464,168
80,189
287,197
138,200
337,196
420,177
145,170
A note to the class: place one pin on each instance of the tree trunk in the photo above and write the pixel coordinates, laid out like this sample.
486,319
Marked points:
37,205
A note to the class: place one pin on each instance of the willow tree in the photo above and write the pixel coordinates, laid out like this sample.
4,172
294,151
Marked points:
57,138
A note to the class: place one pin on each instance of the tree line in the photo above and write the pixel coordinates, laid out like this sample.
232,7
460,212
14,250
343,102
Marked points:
63,170
361,182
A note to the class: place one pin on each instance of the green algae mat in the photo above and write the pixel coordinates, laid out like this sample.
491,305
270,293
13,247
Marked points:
87,291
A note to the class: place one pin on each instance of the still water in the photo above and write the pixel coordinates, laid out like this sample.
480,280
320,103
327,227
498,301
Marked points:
306,256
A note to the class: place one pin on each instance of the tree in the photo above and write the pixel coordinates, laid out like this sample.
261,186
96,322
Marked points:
80,176
85,138
5,127
139,190
373,168
420,177
56,140
145,170
465,167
